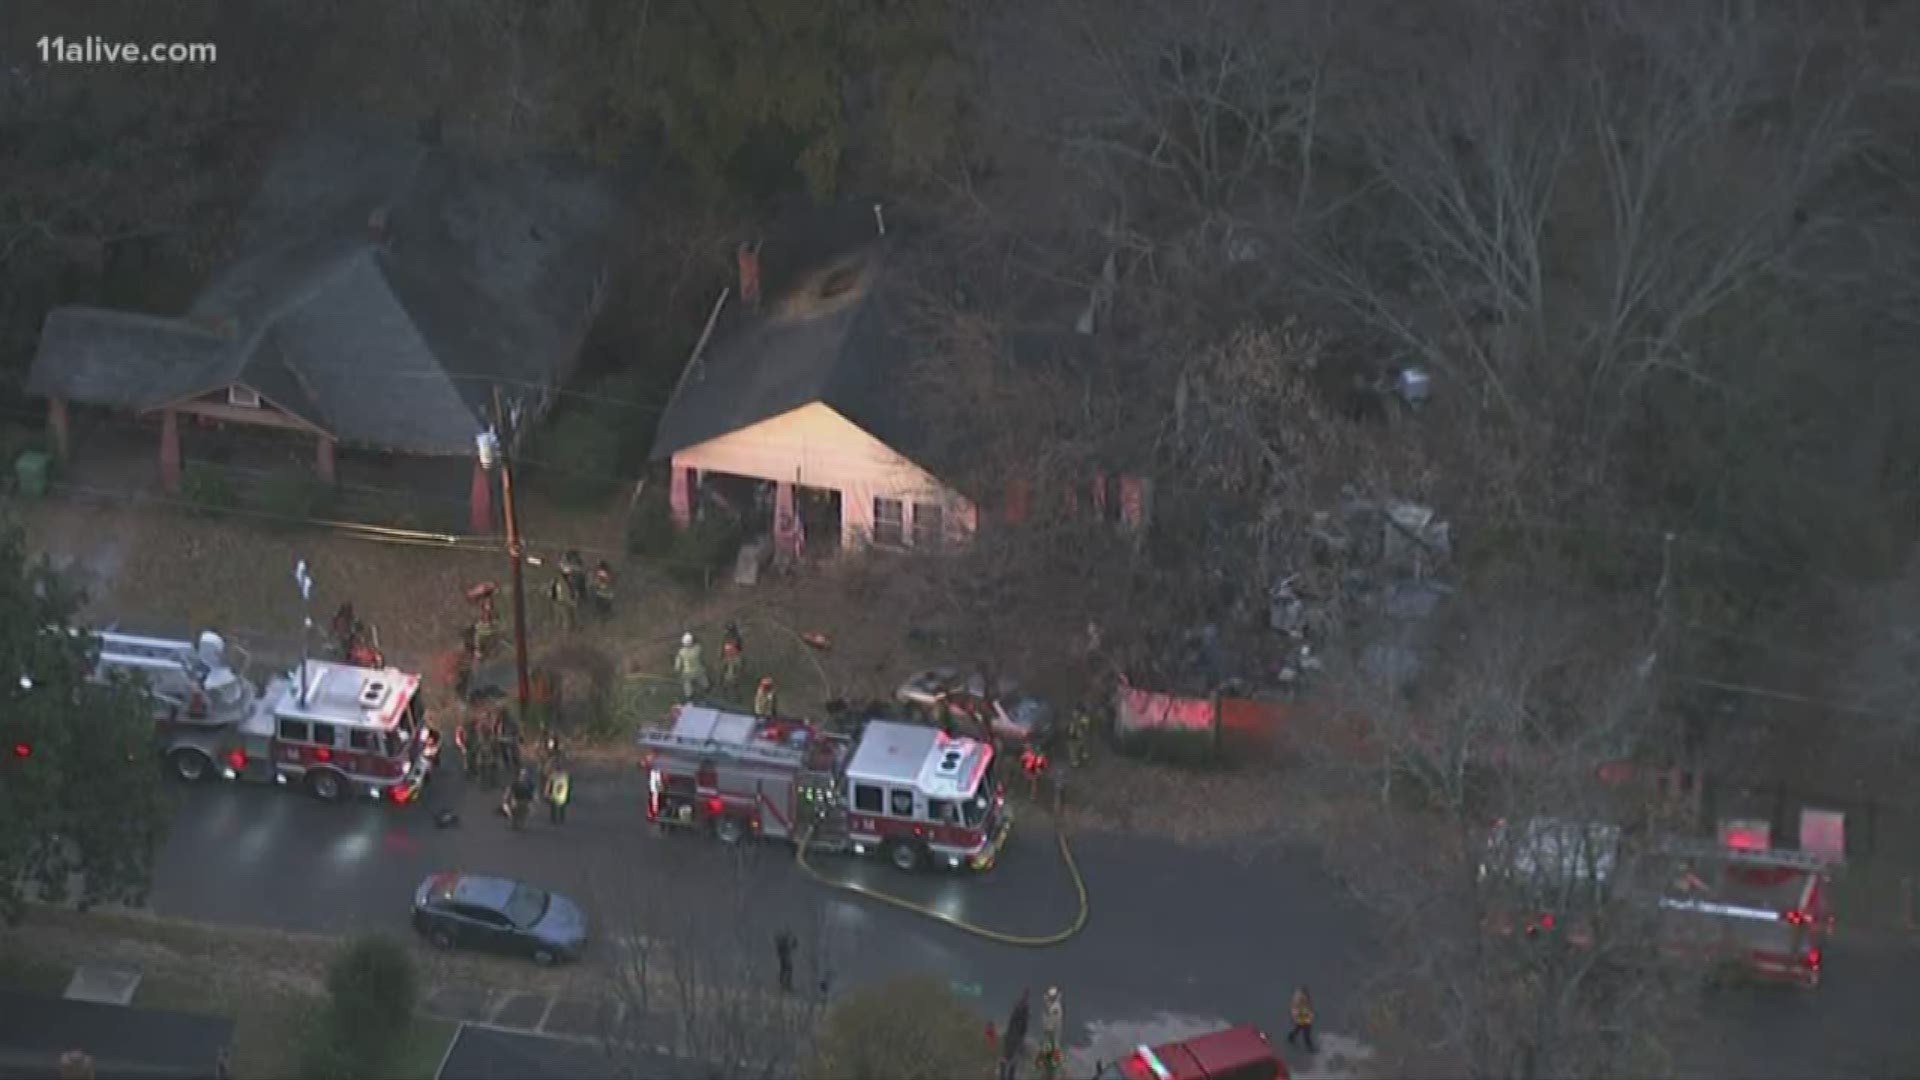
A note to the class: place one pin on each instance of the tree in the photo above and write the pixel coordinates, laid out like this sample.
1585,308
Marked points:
908,1028
704,979
81,809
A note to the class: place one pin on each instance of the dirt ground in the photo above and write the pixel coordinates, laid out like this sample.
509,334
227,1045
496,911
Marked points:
155,567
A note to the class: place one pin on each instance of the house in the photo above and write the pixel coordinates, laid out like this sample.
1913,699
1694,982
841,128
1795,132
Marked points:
36,1032
383,288
798,384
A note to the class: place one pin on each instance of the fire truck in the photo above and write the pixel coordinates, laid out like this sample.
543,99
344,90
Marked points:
335,729
1765,911
908,793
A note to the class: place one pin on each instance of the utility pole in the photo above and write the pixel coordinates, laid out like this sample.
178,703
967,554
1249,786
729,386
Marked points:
305,581
495,450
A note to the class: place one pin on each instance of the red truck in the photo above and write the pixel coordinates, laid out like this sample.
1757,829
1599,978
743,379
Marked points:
1237,1053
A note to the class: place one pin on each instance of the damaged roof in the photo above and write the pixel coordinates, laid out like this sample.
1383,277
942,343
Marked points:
383,287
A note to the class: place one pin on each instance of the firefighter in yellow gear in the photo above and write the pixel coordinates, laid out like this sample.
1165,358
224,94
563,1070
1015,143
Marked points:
766,701
559,790
1080,738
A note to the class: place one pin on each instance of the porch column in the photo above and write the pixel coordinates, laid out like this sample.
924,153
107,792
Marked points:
170,452
323,460
57,428
480,502
786,523
1136,501
680,496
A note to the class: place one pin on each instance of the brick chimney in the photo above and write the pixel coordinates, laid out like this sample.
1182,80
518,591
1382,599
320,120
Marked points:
749,255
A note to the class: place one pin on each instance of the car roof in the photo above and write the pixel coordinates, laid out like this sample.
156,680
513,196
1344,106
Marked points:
477,889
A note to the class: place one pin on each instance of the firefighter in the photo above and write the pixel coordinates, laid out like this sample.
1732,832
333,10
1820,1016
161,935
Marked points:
486,630
1301,1009
573,570
566,608
463,737
1053,1015
783,945
1015,1039
1033,762
509,741
766,700
487,748
690,664
519,799
602,589
559,790
732,651
1079,737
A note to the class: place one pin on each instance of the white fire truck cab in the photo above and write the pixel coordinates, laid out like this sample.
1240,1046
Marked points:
356,731
909,793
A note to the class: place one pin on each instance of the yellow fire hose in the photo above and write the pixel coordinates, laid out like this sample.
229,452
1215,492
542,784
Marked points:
1025,941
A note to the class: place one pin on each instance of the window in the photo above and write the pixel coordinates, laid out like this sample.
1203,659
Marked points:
929,521
889,522
902,802
293,730
361,739
526,905
243,397
322,735
866,798
943,812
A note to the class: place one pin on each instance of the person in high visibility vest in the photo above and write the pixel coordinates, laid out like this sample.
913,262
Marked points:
690,664
766,701
732,652
559,790
1302,1009
1034,763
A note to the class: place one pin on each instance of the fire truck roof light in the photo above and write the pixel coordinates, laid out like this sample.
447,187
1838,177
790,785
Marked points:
1153,1064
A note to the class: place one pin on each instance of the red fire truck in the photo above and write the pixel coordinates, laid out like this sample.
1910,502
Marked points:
909,793
334,729
1765,911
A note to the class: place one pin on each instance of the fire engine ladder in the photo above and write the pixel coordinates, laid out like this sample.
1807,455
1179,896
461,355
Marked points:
763,753
1771,857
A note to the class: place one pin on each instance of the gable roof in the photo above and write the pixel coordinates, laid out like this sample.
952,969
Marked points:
123,1041
484,277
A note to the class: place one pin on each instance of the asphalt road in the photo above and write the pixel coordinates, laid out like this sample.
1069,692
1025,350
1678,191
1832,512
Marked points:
1178,938
1172,931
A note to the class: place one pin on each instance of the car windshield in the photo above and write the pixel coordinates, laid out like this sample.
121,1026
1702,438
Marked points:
974,810
525,906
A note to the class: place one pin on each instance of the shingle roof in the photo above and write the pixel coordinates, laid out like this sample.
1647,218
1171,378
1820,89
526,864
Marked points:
485,280
35,1031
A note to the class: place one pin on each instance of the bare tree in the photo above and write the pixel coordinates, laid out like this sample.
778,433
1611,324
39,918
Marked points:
1518,889
700,981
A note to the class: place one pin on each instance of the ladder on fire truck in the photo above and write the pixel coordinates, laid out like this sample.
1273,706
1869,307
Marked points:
1707,851
201,665
825,830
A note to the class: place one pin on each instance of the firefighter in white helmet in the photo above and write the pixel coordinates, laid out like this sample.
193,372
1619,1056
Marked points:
690,664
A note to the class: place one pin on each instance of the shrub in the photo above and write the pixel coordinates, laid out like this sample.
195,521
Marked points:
582,456
371,988
207,487
293,493
909,1028
650,532
704,548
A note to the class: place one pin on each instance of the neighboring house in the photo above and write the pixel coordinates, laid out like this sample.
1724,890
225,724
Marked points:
799,382
382,290
36,1032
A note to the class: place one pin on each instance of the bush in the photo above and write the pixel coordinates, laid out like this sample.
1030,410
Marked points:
207,487
909,1028
650,532
293,493
703,549
371,989
582,453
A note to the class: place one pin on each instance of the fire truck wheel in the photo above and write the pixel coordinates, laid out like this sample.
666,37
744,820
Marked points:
191,766
729,830
327,786
907,857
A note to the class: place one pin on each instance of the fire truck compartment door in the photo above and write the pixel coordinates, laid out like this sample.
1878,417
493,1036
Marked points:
774,806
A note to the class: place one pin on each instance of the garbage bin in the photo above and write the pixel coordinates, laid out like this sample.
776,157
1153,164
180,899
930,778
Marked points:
30,469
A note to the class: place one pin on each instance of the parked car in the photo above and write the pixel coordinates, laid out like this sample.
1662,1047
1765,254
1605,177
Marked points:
1021,718
470,911
1236,1053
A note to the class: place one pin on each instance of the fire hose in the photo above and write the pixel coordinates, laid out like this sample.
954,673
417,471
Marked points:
1041,941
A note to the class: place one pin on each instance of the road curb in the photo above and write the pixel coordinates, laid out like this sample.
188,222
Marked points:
1041,941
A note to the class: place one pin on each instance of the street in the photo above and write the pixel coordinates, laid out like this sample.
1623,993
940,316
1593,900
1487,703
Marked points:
1173,931
1178,938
